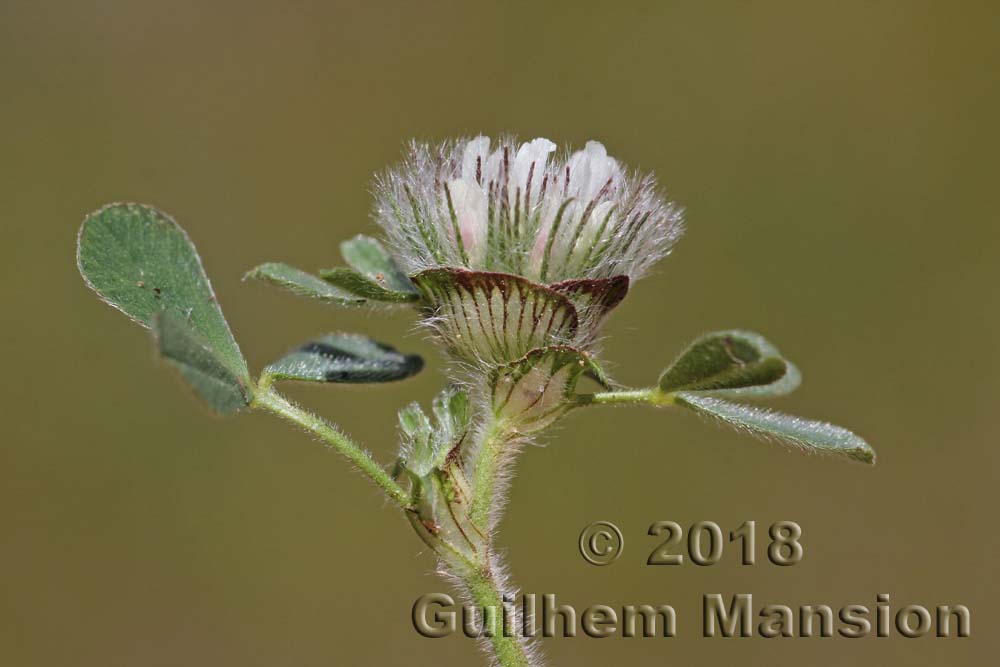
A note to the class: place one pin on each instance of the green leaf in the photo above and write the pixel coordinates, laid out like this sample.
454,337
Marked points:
415,424
364,287
369,258
141,262
426,446
375,276
340,357
198,363
451,410
802,433
731,363
302,283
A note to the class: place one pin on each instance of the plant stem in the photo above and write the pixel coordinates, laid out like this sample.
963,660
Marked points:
651,396
270,400
508,649
493,447
495,439
485,465
476,574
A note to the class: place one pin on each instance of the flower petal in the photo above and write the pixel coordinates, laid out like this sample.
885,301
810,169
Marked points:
530,160
471,216
474,156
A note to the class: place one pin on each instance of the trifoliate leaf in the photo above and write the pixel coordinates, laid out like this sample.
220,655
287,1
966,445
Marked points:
303,284
802,433
198,363
367,288
141,262
370,258
731,363
340,357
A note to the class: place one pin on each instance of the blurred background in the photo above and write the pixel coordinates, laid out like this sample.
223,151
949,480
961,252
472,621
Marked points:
838,164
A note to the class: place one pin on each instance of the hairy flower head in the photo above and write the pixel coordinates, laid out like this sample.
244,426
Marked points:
522,209
515,247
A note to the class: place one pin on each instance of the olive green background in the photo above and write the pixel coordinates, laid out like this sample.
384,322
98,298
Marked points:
838,164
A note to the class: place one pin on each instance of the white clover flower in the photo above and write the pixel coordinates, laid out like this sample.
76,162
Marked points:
522,210
515,248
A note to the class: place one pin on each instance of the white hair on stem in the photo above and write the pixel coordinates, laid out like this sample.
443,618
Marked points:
501,581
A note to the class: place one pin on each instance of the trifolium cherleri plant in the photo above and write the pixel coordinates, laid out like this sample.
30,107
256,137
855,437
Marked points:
512,255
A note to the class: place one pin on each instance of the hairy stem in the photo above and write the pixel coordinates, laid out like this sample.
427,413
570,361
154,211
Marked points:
476,574
485,466
651,396
270,400
486,594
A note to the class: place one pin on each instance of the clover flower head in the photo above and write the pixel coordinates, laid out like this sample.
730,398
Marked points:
515,247
522,209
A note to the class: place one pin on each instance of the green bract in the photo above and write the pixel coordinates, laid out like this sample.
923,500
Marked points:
494,318
530,394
